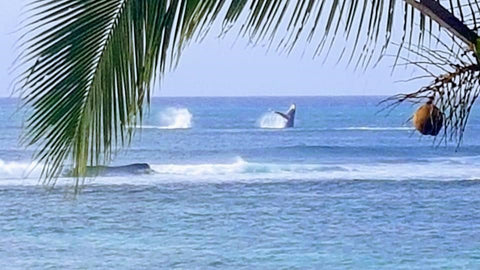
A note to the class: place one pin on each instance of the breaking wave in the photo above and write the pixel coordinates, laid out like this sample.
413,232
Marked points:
239,170
439,169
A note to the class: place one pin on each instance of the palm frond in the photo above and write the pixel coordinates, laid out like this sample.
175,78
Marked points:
87,70
282,24
453,68
89,65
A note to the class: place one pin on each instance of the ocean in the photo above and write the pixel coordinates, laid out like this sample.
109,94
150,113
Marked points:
348,188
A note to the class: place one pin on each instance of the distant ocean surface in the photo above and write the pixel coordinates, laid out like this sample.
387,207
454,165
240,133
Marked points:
347,188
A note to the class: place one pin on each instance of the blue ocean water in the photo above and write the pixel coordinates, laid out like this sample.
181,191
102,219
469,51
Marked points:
347,188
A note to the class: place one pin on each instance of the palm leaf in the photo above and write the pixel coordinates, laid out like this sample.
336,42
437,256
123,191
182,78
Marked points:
88,70
87,66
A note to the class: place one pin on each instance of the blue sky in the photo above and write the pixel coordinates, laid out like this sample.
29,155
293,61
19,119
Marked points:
222,67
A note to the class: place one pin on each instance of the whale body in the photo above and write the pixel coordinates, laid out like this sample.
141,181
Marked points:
289,116
130,169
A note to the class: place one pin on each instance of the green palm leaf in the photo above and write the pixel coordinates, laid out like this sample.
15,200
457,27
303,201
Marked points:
88,65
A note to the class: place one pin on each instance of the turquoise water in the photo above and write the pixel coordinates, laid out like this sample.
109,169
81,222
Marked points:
347,188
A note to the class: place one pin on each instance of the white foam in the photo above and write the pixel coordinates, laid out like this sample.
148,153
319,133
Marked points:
18,170
201,169
175,118
239,170
271,120
446,169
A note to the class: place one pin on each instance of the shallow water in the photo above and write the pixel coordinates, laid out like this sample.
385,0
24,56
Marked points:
346,189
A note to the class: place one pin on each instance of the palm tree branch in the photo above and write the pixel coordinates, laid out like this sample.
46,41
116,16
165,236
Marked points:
89,65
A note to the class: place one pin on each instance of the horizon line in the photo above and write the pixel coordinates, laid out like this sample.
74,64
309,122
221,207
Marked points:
245,96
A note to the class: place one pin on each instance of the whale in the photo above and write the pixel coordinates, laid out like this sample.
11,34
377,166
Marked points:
130,169
125,170
289,116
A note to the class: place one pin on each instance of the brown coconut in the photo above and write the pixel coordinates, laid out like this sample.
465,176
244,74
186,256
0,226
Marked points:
428,119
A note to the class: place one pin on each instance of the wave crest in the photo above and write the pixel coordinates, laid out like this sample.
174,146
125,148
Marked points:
444,169
202,169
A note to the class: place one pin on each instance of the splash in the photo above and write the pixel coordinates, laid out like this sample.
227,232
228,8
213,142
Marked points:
271,120
175,118
9,170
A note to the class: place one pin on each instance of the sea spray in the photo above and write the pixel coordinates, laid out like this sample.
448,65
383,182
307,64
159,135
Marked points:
271,120
9,170
175,118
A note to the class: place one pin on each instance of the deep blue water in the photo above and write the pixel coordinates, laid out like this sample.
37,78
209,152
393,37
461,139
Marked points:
347,188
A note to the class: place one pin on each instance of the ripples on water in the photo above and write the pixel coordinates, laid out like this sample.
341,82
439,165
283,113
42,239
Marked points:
229,194
329,225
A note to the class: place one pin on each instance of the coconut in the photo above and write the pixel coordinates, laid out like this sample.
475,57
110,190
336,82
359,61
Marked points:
428,119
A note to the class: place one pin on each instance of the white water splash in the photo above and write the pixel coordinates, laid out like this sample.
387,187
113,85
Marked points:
240,170
271,120
175,118
18,170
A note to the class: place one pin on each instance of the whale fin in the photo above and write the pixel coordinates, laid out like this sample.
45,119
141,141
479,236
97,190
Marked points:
283,115
289,116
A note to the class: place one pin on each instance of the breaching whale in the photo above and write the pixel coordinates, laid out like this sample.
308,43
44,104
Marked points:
289,116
